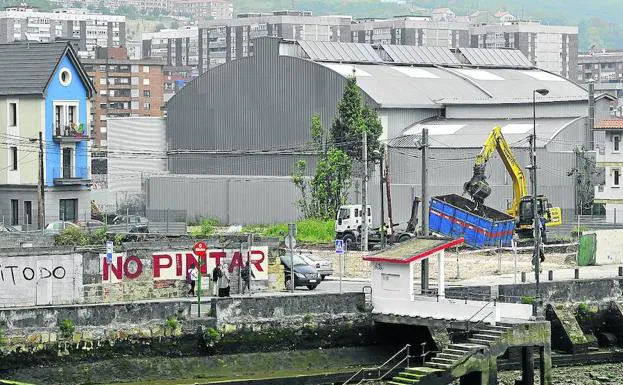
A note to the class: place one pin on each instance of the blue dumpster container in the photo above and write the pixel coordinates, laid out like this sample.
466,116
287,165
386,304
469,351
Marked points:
480,226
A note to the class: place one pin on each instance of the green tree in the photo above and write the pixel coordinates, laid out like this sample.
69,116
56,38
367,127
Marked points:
353,118
322,195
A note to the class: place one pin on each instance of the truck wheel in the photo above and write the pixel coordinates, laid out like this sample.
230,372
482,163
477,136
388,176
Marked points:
349,240
403,238
311,287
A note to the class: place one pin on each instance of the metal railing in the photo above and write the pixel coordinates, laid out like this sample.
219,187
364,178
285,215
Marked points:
366,371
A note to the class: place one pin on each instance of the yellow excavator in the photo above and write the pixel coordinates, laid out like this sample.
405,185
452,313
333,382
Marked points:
521,205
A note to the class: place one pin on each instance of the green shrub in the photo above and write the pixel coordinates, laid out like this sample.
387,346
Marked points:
1,337
527,300
172,323
67,327
206,228
211,336
97,237
71,236
119,238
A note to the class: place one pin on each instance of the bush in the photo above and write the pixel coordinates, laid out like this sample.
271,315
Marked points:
206,228
67,327
211,336
172,323
527,300
71,236
1,337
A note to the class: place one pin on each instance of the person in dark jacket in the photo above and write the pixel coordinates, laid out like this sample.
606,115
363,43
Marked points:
246,274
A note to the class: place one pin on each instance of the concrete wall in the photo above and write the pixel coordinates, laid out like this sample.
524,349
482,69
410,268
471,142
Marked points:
609,246
40,279
274,309
30,277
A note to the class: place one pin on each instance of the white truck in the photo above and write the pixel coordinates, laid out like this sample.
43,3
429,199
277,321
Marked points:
350,218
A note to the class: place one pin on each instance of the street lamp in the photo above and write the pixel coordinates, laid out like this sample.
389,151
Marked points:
537,229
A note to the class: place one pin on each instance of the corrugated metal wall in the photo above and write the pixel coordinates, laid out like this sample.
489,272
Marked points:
234,164
235,200
258,103
517,111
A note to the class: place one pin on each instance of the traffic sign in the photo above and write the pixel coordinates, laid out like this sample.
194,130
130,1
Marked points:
200,249
110,246
339,246
290,242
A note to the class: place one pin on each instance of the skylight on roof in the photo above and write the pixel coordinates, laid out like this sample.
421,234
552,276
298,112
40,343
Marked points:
545,76
516,128
433,129
346,69
479,74
413,72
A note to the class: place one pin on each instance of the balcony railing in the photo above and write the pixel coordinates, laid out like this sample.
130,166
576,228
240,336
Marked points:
70,176
70,133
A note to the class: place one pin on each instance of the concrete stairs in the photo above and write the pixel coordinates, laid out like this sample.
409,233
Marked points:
413,375
451,357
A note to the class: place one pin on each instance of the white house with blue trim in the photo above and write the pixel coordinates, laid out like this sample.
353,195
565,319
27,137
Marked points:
44,89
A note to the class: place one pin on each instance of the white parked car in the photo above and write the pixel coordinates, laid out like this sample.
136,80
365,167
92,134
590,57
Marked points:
323,267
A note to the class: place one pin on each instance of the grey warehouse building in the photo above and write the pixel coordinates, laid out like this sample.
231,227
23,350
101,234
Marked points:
235,133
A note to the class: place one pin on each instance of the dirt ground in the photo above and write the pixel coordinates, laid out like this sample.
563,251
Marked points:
464,265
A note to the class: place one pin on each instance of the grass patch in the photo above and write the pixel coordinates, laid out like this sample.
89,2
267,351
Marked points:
309,231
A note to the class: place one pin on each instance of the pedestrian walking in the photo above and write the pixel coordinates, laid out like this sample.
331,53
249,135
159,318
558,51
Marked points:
216,275
191,277
223,282
246,274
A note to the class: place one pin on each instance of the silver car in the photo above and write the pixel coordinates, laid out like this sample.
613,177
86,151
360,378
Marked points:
323,267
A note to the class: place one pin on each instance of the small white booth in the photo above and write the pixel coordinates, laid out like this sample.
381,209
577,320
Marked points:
393,290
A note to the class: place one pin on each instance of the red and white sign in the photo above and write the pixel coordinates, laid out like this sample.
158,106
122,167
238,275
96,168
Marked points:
171,265
200,249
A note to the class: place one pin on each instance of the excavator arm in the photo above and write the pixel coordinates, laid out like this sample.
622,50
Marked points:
478,188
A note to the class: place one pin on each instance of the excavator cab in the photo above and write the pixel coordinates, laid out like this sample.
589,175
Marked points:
525,220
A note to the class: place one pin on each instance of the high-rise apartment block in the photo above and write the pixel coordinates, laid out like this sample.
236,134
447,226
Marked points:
550,47
203,9
412,30
89,30
175,47
124,88
221,41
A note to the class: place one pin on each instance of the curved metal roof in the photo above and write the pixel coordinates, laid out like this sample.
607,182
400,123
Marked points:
394,86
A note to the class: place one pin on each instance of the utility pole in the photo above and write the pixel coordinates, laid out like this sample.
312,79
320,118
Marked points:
388,182
535,209
381,181
41,188
425,270
364,196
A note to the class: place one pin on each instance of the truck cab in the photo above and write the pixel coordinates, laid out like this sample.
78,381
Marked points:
349,221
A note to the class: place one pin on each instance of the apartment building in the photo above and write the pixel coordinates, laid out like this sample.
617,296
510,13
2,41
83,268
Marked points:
605,69
90,30
203,9
552,48
610,157
124,87
175,47
221,41
412,30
